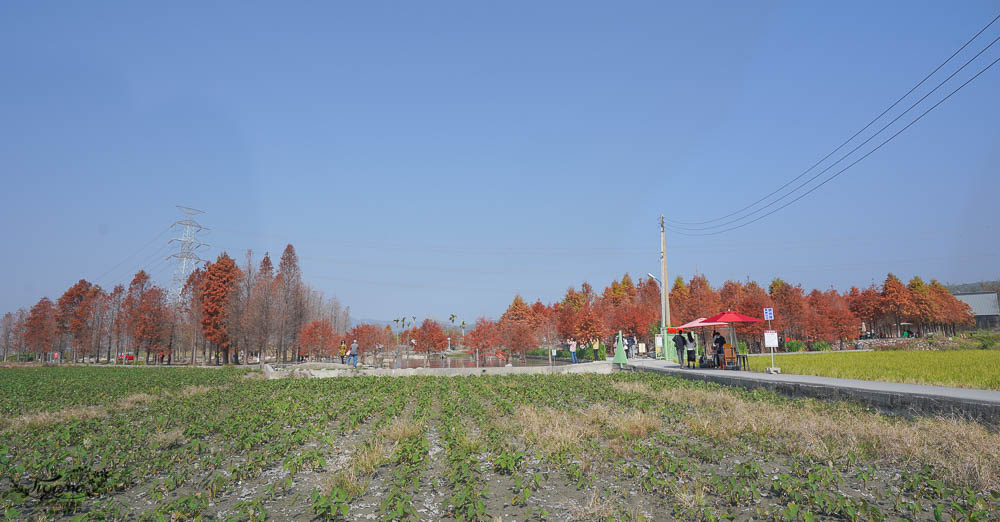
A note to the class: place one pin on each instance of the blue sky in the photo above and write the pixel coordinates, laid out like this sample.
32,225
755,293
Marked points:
433,158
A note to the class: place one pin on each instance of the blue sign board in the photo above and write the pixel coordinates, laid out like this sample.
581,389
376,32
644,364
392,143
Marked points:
769,314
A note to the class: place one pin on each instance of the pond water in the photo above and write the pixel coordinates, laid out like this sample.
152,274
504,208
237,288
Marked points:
465,362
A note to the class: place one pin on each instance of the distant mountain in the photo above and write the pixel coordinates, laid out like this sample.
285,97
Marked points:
355,322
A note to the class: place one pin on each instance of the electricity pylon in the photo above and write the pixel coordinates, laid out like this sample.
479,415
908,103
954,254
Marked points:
186,258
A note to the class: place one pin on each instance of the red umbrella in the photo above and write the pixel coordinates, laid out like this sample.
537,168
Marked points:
730,316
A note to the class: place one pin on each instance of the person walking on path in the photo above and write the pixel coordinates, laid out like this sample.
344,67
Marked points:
572,349
679,343
354,353
343,351
691,349
596,346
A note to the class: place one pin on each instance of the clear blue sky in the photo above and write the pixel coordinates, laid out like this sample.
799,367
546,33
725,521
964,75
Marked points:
428,158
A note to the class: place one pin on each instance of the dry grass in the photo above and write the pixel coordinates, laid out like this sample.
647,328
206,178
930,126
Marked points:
39,420
471,439
402,428
964,452
135,400
355,485
597,508
690,495
557,430
554,430
636,423
195,389
600,508
169,439
357,473
369,457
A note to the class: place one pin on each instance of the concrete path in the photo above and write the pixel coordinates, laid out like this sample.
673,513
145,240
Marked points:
966,402
340,370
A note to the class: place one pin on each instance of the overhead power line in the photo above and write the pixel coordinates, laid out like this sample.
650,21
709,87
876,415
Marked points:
130,256
848,140
855,162
852,151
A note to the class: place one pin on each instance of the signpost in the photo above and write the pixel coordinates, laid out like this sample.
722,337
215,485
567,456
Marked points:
659,346
770,338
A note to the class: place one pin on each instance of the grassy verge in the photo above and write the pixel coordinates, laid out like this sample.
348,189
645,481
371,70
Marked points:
960,368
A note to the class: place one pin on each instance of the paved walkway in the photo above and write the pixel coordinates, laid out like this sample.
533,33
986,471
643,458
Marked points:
980,404
342,370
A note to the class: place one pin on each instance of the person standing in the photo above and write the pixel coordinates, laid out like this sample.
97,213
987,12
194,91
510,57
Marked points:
597,347
354,353
679,343
691,349
720,346
572,349
343,350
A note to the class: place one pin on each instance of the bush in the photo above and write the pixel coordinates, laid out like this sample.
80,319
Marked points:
794,346
821,346
985,339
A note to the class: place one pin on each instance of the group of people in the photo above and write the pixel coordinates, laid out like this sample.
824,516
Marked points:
687,344
631,345
349,352
573,345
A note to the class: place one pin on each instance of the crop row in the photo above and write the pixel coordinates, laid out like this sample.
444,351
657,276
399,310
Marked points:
619,447
28,390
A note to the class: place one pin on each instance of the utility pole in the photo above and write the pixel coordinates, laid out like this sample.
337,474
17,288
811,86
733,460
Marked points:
664,300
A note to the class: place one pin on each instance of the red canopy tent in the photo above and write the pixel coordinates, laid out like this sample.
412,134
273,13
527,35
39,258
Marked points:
701,322
730,317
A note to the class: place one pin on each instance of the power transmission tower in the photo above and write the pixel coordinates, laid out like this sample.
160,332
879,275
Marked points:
187,259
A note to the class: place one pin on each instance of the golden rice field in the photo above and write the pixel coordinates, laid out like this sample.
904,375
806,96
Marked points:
959,368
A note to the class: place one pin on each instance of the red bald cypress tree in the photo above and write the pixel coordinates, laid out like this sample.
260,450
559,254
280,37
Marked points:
753,302
897,301
429,337
152,323
40,328
220,281
130,308
484,337
370,336
705,302
291,306
317,338
790,313
680,303
70,318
